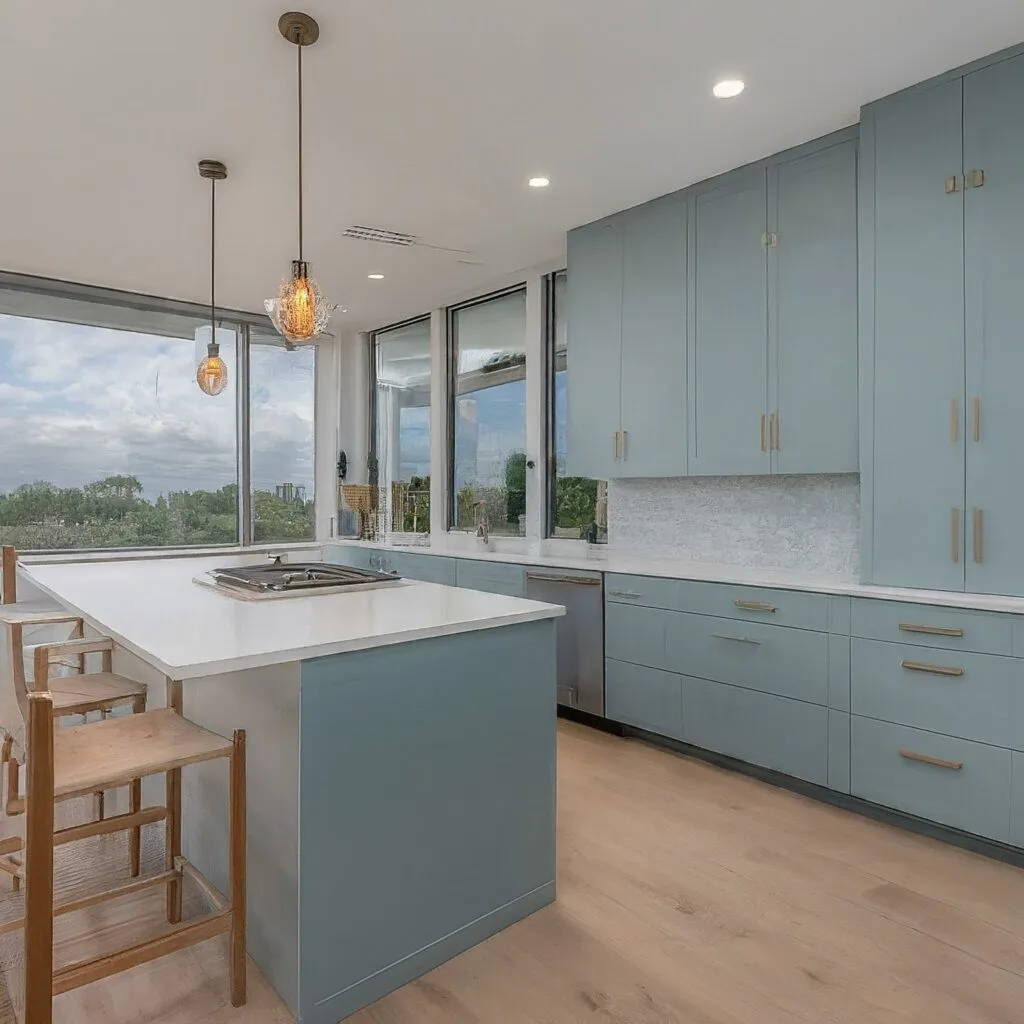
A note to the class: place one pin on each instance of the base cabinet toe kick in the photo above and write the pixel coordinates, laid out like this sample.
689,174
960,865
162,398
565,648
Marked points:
918,709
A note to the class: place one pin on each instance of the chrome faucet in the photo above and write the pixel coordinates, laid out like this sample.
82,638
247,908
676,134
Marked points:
482,525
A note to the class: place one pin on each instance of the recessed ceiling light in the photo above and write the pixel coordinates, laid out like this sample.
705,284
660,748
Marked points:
539,182
375,277
728,88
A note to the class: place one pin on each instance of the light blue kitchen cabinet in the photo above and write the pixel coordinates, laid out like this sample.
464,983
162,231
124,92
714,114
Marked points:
653,376
912,338
839,751
729,350
812,321
1017,800
993,131
491,577
646,698
348,554
594,325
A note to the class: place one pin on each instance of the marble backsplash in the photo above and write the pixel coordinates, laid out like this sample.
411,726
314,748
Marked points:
810,523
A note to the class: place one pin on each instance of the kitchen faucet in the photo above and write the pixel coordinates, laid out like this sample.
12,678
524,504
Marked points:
482,525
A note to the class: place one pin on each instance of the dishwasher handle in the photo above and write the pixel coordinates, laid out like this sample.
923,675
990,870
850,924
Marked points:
579,581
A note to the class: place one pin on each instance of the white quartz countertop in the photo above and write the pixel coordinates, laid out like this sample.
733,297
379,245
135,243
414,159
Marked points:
780,579
185,630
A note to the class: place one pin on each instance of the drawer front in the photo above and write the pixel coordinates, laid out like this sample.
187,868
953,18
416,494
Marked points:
340,554
960,783
492,577
643,697
776,659
428,568
649,591
1017,800
958,694
839,751
954,629
755,604
638,635
788,736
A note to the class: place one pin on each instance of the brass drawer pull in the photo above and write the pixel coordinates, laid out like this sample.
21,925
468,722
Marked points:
938,762
910,627
755,606
737,639
979,536
936,670
954,533
764,444
954,421
623,593
773,431
976,411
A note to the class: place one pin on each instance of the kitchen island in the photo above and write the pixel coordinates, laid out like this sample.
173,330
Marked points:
401,767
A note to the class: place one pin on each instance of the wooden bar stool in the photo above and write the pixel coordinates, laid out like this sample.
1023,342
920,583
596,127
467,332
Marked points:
72,695
76,761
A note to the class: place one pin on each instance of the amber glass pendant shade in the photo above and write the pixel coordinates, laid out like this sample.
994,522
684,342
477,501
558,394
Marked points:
212,375
299,312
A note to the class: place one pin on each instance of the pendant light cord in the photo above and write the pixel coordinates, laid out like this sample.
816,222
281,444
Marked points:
213,261
299,48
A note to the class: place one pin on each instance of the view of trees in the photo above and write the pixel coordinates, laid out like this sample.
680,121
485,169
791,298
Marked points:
112,513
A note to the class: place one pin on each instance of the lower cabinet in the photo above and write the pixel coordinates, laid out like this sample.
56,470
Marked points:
952,781
838,751
788,736
491,577
1017,802
646,698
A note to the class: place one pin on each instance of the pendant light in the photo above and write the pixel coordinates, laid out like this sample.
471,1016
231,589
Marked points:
299,312
212,374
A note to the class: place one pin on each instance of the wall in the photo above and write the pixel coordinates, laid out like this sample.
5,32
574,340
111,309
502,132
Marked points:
810,523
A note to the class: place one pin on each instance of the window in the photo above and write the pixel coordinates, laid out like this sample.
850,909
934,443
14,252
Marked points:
577,506
487,414
400,436
106,440
282,397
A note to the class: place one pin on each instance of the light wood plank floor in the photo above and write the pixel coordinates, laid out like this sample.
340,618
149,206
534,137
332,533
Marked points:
686,894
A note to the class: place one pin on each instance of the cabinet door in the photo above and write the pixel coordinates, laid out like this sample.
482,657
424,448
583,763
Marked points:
594,325
730,336
654,339
812,302
918,343
994,225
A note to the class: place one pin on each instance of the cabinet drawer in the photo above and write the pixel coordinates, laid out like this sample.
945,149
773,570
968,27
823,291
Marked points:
755,604
1017,801
341,554
644,697
492,577
788,736
428,568
649,591
964,784
776,659
638,635
959,694
955,629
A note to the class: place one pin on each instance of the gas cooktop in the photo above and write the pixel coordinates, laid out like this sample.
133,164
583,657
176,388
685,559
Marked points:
292,578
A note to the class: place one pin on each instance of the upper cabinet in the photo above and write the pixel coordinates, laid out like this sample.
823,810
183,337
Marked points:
714,331
942,206
626,320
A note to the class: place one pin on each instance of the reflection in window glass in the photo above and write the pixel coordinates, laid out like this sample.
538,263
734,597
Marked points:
578,504
489,415
282,397
401,430
106,440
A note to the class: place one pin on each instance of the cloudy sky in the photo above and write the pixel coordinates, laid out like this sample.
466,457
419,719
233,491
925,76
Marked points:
81,403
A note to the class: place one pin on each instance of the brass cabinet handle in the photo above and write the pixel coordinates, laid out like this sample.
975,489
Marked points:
979,536
625,441
954,421
773,427
935,670
764,443
754,606
623,593
617,432
579,581
954,531
938,762
737,639
976,416
911,627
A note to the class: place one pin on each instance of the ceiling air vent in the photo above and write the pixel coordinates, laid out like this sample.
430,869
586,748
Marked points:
383,235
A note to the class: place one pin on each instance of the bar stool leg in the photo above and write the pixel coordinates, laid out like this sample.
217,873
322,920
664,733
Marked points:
237,833
39,864
173,823
135,805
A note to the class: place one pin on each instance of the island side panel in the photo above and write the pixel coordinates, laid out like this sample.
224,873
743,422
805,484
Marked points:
427,807
264,702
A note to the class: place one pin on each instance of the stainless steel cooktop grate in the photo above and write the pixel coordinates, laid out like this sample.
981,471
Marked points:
297,576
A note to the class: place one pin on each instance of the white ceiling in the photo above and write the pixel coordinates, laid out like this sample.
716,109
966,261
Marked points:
423,116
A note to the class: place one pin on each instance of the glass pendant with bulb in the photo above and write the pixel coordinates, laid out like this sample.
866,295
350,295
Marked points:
299,311
212,373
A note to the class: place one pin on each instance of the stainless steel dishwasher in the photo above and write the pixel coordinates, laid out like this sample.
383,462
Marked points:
580,633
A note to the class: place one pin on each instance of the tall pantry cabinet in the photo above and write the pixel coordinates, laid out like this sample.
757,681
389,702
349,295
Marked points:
942,333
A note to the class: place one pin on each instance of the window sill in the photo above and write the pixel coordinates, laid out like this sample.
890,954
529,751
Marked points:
134,554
